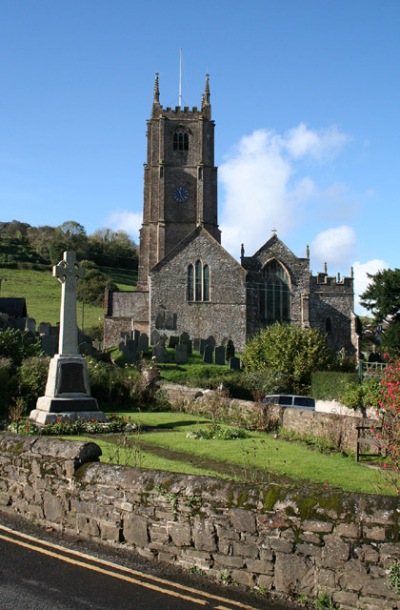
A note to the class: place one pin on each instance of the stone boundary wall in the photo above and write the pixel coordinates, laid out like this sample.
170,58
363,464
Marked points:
284,540
339,430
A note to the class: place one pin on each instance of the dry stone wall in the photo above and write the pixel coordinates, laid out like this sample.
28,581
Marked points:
285,540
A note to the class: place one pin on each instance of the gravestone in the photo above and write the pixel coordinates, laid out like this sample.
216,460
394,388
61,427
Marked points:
173,341
220,355
129,350
180,354
30,324
160,353
49,344
67,394
184,339
143,343
234,363
155,337
208,354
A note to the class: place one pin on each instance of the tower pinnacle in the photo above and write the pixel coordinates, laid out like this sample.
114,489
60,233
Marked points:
206,95
156,98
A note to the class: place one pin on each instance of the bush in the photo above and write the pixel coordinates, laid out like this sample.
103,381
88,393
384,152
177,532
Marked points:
331,385
7,385
294,351
17,345
32,378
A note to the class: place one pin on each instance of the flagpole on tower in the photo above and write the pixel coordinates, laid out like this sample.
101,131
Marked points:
180,80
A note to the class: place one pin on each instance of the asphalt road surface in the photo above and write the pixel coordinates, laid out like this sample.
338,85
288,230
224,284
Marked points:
38,571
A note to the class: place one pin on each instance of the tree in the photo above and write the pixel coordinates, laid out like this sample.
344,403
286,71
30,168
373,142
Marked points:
382,299
112,249
17,345
91,288
290,350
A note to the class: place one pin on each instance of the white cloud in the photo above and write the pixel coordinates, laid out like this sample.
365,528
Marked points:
335,246
319,145
123,220
262,189
361,280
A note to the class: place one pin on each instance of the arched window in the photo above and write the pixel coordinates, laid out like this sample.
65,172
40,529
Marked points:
180,140
190,283
274,296
198,282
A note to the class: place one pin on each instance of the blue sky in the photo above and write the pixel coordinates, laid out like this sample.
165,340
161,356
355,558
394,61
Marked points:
305,96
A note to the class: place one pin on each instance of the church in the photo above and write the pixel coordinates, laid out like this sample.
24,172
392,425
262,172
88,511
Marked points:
187,282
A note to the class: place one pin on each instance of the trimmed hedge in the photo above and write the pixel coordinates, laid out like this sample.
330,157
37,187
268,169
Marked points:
330,385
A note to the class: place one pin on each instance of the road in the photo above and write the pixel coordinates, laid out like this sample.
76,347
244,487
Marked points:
44,574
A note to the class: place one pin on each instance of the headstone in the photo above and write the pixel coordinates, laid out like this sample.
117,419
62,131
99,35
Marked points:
172,341
220,355
208,354
184,339
230,349
67,392
180,354
143,343
49,344
196,344
203,343
30,324
234,363
211,341
129,350
44,328
160,353
155,337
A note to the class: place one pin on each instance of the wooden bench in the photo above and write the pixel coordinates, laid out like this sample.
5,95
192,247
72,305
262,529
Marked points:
369,441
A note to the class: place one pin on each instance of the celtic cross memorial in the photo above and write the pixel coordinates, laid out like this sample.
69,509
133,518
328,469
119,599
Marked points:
67,394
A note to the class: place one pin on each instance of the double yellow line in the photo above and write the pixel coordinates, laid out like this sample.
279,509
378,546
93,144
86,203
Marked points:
114,570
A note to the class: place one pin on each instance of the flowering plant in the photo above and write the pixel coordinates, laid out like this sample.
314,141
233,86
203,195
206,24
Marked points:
389,410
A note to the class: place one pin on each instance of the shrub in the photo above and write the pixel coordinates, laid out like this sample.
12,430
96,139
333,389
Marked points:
32,377
331,385
389,405
7,385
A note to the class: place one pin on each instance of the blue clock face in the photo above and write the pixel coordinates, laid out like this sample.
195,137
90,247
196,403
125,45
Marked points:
181,194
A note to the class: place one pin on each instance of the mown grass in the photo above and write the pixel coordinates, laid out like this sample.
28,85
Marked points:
254,456
42,293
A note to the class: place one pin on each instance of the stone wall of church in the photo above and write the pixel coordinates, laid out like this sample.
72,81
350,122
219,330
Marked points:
331,310
299,285
123,313
223,317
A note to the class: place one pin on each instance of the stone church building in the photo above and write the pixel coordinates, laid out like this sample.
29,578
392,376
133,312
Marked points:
187,282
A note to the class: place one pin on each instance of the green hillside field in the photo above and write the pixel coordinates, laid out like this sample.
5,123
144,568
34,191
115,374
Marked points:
43,293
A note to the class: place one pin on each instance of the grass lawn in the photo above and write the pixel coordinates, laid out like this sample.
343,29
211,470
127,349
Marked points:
252,457
43,294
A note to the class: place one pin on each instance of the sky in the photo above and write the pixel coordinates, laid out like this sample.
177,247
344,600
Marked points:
305,96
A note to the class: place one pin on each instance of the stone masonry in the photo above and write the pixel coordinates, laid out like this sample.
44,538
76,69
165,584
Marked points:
284,540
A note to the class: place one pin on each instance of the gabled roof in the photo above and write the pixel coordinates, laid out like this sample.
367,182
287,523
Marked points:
13,307
192,236
271,244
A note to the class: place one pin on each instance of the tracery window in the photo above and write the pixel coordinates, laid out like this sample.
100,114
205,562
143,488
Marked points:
274,294
198,282
180,140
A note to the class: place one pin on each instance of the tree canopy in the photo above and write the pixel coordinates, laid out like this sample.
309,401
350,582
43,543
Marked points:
382,299
290,350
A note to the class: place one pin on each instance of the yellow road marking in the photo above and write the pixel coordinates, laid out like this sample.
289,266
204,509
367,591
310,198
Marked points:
81,564
120,568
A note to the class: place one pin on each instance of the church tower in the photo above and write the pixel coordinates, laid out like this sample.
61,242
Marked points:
180,180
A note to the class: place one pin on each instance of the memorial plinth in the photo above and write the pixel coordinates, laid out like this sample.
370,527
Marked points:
67,394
